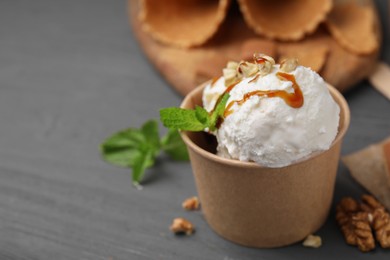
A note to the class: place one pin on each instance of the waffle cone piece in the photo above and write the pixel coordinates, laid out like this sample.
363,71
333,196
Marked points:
353,26
284,19
182,23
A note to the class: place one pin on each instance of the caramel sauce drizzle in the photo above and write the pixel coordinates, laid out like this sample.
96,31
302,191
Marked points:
227,90
259,60
294,99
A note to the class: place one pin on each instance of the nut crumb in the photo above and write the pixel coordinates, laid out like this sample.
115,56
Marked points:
191,203
264,62
230,73
182,226
288,65
312,241
247,69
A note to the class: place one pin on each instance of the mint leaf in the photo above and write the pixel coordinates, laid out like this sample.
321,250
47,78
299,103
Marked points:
174,146
121,148
202,115
182,119
138,148
144,160
218,111
134,148
150,132
193,120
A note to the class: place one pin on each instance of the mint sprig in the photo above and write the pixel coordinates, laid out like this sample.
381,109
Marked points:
173,145
138,148
194,120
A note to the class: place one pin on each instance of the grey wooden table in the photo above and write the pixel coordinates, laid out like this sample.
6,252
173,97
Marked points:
71,73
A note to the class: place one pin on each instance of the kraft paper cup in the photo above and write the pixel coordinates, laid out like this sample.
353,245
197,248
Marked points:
263,207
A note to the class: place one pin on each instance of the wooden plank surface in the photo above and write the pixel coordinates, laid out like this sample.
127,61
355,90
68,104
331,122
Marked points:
71,73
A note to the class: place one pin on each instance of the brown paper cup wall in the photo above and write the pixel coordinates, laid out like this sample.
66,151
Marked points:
258,206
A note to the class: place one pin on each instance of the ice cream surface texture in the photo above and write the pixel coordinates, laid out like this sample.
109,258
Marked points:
266,128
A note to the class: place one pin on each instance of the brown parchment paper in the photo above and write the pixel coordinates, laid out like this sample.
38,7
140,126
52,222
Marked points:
368,168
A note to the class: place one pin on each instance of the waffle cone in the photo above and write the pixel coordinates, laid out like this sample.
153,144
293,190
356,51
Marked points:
353,26
283,19
182,23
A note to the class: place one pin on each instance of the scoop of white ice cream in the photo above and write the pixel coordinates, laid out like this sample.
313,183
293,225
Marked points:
267,130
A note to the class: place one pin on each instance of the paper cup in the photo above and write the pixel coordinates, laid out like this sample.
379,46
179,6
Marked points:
264,207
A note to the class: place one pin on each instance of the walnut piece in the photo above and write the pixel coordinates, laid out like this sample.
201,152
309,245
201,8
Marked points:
312,241
378,218
182,226
344,211
359,223
362,229
370,204
355,224
191,203
381,225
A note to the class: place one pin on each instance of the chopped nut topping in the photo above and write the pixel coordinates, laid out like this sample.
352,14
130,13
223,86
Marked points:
247,69
233,72
259,58
312,241
264,62
230,73
191,203
288,65
181,225
232,65
265,68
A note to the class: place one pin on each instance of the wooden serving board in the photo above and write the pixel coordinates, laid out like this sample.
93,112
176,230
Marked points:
185,69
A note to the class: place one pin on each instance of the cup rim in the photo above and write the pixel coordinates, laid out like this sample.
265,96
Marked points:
336,95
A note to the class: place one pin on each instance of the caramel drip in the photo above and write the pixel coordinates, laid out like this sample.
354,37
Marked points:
227,90
294,99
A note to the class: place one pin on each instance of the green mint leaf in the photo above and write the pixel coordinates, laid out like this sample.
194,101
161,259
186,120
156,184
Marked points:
202,115
133,148
181,119
218,111
174,146
121,148
144,160
151,135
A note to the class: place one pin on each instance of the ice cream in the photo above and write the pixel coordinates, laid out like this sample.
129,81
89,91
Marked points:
276,114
